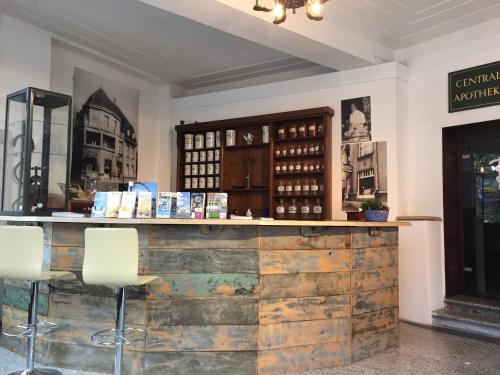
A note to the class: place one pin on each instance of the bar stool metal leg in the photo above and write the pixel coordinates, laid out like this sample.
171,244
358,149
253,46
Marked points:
31,333
119,331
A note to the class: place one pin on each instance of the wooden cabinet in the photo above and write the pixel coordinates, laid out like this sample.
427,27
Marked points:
258,155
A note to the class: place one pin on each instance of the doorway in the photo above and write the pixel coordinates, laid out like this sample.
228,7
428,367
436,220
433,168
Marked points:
471,187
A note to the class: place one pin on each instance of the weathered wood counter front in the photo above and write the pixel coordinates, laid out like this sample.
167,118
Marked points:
235,298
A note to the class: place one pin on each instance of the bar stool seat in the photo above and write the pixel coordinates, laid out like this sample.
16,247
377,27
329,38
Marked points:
112,258
21,258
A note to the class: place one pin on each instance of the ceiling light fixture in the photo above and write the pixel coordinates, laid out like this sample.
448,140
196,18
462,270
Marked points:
313,8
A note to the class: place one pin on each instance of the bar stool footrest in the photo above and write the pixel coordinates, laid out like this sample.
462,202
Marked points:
108,336
25,330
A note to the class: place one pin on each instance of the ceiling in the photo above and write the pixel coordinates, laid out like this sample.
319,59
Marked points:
204,45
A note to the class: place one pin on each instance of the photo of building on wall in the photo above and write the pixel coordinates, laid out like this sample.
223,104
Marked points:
105,131
364,173
356,120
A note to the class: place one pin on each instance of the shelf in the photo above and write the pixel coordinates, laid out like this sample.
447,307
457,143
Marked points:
200,162
298,156
201,175
299,139
202,149
298,196
242,147
251,190
298,174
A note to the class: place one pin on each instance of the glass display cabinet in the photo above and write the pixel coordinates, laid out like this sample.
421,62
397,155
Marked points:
37,150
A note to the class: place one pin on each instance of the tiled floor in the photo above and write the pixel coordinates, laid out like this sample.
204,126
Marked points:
422,351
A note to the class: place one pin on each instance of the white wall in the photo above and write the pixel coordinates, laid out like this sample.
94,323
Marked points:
383,83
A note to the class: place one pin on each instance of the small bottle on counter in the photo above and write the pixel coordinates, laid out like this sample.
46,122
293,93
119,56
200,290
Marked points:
305,149
305,187
305,210
318,210
292,210
305,168
297,188
314,187
312,149
289,188
292,131
277,151
284,151
284,168
291,150
302,129
281,132
298,166
291,167
311,129
280,210
280,189
277,168
298,150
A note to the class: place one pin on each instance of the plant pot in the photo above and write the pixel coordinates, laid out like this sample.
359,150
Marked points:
376,215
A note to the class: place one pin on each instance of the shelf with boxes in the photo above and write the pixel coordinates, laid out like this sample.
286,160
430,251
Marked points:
256,155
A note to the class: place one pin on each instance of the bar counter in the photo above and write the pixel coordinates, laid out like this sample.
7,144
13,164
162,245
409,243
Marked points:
234,297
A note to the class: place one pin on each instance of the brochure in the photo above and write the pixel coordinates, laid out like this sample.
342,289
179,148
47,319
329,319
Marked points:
166,203
183,205
216,206
144,202
100,201
127,207
113,203
197,205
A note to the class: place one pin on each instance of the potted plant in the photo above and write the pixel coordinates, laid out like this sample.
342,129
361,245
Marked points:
375,210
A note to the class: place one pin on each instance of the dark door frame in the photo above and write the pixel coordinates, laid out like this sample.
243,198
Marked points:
453,141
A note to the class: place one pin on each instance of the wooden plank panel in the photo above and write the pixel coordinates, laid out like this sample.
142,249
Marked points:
305,238
204,285
201,338
94,308
67,258
302,358
88,358
302,309
239,311
379,278
19,298
378,321
68,234
286,335
201,363
367,346
305,285
387,236
295,261
203,261
203,237
366,302
374,258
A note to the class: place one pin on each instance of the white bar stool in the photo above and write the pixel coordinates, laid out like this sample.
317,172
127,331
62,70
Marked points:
21,258
112,258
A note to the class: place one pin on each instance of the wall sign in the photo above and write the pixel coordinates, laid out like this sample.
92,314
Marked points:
474,87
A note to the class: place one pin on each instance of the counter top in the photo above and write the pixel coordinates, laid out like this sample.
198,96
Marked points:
257,222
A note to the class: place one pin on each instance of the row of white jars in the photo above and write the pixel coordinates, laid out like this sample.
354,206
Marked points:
201,183
201,169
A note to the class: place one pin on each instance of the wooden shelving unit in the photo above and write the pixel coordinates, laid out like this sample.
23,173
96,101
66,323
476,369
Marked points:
247,170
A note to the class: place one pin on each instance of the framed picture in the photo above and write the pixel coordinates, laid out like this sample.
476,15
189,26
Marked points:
356,120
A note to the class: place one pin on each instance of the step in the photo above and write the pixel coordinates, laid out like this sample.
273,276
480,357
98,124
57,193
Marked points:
476,305
468,323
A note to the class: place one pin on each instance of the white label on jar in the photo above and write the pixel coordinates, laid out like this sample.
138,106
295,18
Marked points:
210,156
298,167
187,157
314,187
217,168
299,151
292,151
297,188
187,170
203,156
289,188
302,128
210,169
210,139
317,167
292,210
306,168
312,127
280,210
194,183
281,188
281,131
277,168
195,158
203,169
230,137
210,182
199,141
291,168
202,183
318,209
188,141
187,183
194,169
217,138
316,148
217,182
304,209
305,188
217,155
278,152
311,149
265,134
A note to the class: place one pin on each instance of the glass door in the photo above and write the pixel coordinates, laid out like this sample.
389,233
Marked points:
481,178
